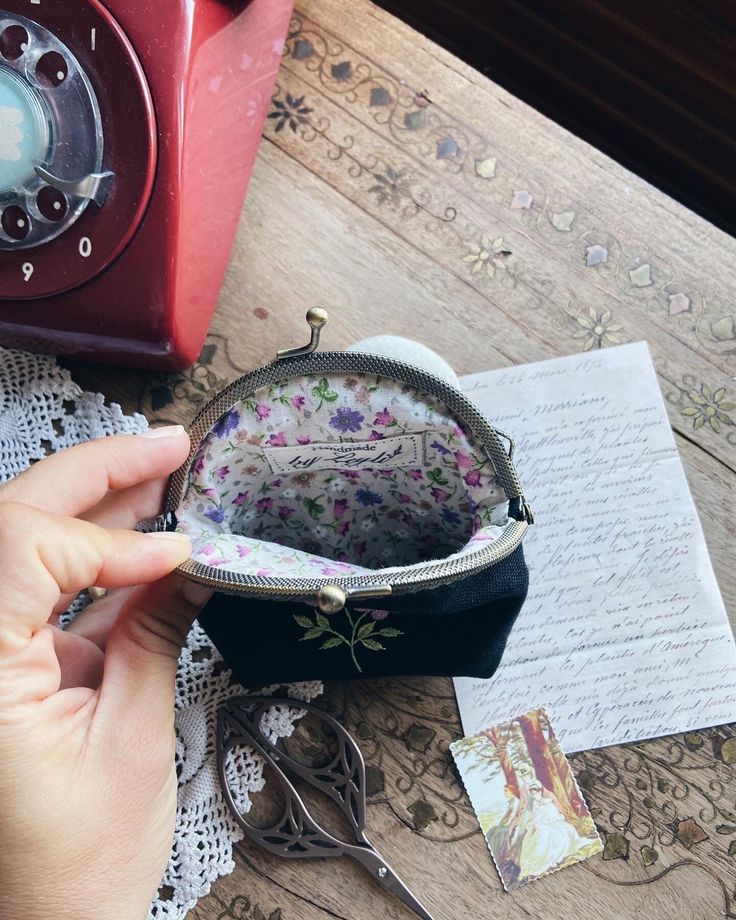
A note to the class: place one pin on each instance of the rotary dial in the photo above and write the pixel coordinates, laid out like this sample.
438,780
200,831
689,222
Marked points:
51,138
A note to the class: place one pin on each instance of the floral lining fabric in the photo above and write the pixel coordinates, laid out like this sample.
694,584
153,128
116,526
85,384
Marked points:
311,523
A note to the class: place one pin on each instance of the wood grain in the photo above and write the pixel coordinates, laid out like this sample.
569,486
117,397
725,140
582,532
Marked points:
650,84
400,158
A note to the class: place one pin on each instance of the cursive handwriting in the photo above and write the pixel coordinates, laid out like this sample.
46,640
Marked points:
623,635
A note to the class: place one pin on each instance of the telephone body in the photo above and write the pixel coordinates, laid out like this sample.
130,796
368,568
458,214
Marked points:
128,132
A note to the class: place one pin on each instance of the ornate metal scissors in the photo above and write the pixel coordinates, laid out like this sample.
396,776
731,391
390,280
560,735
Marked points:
296,835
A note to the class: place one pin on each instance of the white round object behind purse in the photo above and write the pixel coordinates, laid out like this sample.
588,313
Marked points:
395,346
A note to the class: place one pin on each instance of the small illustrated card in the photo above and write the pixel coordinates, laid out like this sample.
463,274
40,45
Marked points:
529,806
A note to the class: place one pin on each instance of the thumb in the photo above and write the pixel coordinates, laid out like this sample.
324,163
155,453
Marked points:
143,651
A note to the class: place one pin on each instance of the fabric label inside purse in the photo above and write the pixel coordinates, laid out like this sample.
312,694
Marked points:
384,454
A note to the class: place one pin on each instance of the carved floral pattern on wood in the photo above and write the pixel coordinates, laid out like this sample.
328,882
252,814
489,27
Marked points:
423,167
660,806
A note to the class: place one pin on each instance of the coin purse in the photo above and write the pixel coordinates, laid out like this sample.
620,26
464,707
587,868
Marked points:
356,516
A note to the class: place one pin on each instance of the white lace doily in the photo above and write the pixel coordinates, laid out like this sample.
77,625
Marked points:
42,410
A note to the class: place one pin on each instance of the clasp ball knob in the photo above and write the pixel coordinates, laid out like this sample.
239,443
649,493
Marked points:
331,599
317,317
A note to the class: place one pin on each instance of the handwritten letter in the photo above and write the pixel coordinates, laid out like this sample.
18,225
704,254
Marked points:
624,635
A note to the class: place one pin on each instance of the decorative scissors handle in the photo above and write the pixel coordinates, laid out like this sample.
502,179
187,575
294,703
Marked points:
343,779
296,834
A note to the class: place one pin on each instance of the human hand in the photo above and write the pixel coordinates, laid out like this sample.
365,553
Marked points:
87,779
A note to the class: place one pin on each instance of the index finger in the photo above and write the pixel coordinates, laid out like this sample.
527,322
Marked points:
74,480
48,555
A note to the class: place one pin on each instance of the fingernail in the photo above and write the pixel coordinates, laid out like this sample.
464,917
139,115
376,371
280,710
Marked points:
167,431
195,594
169,535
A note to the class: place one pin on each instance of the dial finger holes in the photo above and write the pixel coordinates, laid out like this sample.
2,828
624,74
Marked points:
15,222
52,69
13,42
51,203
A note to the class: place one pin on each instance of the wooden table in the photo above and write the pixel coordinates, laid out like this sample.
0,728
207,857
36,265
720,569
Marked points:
384,161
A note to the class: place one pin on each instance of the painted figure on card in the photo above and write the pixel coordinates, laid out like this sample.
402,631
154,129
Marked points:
528,804
504,838
547,838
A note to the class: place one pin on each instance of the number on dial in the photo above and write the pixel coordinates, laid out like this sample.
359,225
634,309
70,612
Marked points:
27,269
85,247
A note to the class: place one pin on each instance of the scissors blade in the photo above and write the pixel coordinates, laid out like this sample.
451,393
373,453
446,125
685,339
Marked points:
393,883
371,860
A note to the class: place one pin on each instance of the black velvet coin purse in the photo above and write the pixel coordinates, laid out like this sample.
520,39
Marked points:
356,515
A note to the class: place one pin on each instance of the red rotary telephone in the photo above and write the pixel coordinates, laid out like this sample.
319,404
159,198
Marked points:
128,132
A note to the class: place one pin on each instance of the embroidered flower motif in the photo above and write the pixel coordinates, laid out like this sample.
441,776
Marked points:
416,474
340,507
359,632
303,439
240,499
298,402
489,254
285,512
384,419
343,529
376,436
464,461
215,514
207,549
243,551
226,424
263,411
350,474
367,498
439,495
264,504
198,465
345,420
473,478
277,440
222,472
304,480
